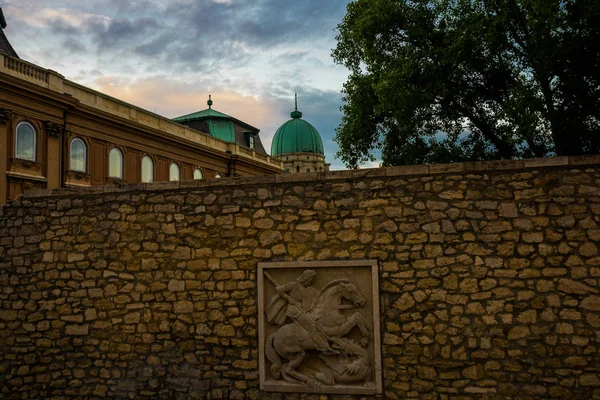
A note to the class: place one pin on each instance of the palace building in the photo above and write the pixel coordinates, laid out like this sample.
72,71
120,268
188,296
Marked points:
56,133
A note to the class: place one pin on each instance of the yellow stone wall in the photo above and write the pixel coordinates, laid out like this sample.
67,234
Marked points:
489,279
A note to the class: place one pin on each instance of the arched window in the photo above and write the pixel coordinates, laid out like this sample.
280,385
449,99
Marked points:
147,169
78,156
25,142
174,172
115,164
198,174
217,175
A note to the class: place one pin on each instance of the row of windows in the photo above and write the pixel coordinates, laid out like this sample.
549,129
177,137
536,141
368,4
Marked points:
298,169
115,165
287,158
26,145
307,169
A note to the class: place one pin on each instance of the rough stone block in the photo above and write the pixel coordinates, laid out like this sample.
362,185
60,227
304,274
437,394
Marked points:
71,330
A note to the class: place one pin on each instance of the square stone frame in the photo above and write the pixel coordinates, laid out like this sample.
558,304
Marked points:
372,264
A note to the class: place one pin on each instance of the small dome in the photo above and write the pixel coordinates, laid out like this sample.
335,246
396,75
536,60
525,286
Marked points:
296,136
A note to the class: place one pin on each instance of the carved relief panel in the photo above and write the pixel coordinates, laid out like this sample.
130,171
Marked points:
319,327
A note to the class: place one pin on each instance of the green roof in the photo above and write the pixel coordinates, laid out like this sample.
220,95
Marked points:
222,129
296,136
219,125
208,113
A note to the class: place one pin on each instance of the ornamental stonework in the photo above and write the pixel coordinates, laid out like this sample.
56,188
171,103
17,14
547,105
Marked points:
54,130
5,116
319,327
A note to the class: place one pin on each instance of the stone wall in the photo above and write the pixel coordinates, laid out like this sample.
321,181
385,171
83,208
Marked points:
489,277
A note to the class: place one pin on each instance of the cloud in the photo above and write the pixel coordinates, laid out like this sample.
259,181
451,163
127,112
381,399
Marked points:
74,46
168,55
173,98
260,23
185,32
59,20
122,31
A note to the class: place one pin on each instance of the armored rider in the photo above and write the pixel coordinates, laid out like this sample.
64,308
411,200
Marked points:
302,298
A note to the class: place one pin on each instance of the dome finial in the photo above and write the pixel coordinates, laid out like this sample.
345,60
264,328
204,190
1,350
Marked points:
209,102
296,114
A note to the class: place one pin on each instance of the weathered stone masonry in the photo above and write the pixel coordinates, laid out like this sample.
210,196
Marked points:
489,277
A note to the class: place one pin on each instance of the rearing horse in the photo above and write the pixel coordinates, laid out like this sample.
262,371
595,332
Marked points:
291,341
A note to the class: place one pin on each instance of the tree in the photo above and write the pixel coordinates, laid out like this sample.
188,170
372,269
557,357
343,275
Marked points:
458,80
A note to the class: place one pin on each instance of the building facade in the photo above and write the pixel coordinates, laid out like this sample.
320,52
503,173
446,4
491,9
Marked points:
298,145
56,133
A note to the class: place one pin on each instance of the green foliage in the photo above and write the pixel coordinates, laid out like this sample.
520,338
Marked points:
462,80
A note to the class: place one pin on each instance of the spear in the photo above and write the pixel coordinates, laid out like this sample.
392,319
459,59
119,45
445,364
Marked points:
283,294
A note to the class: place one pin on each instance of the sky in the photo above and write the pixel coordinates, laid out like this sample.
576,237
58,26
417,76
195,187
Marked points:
167,56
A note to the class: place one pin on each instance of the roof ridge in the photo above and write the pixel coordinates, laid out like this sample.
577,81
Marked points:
208,112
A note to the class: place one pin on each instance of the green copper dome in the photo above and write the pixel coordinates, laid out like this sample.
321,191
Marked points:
296,136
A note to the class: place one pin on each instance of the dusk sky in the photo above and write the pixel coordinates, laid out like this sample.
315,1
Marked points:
168,55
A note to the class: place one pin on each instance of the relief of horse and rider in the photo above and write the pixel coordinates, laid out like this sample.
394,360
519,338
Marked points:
311,325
